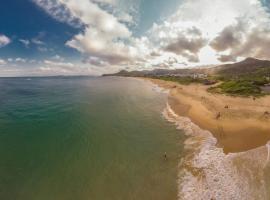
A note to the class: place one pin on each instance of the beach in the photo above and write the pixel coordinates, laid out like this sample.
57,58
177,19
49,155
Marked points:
226,150
238,123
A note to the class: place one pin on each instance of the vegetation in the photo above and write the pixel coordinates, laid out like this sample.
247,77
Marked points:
245,84
245,78
238,88
181,80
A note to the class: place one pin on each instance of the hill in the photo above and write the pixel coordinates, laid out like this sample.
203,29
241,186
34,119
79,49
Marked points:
249,66
250,77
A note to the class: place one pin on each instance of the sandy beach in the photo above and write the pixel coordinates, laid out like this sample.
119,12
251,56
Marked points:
238,123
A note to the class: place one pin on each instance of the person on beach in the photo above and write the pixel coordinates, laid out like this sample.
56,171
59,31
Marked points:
218,115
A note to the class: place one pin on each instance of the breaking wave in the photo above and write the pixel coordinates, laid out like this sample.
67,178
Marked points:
207,173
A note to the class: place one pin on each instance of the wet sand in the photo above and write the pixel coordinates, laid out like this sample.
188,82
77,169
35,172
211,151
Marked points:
238,123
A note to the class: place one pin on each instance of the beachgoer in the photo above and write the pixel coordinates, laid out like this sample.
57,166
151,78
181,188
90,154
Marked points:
165,156
218,115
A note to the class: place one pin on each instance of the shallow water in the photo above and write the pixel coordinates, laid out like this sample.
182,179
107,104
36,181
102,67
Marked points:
207,173
86,138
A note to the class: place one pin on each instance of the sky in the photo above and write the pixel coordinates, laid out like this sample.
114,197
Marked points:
92,37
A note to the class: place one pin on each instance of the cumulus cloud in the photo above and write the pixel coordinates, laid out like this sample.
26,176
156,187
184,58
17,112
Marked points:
95,61
227,58
199,32
4,40
51,67
2,62
111,2
232,29
22,60
103,36
229,37
60,64
186,47
102,45
57,10
243,41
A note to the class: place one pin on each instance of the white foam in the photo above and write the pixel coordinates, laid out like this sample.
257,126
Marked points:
207,173
158,89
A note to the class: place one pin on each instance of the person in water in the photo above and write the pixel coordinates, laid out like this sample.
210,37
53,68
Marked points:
165,156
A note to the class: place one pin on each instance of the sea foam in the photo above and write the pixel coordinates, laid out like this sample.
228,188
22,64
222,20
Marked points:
207,173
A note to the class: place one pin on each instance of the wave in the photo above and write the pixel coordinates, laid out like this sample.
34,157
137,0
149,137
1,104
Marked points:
158,89
207,173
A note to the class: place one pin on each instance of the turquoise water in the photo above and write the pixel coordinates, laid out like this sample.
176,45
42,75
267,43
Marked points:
85,139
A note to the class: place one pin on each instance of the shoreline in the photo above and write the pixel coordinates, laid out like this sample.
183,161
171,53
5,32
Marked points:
238,123
205,170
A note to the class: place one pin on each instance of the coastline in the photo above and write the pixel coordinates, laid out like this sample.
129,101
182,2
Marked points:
239,124
206,168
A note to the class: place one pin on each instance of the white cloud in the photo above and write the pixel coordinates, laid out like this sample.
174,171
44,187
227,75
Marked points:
2,62
104,36
58,11
4,40
42,49
59,64
109,2
187,44
22,60
58,57
50,67
202,31
25,42
243,40
201,28
37,41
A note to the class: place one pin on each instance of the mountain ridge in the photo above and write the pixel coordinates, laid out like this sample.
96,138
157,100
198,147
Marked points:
247,66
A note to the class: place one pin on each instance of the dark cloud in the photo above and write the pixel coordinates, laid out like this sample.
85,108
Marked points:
230,37
193,58
187,47
241,41
256,45
172,61
194,31
227,58
183,44
155,54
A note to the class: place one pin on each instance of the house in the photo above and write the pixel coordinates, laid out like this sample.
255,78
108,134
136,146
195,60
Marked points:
202,76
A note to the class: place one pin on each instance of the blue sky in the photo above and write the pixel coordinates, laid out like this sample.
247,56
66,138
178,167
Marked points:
23,19
85,37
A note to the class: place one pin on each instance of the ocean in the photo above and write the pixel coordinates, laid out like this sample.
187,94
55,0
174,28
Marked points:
104,138
86,138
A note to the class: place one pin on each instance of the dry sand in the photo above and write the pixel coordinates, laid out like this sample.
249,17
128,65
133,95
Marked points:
238,123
